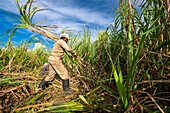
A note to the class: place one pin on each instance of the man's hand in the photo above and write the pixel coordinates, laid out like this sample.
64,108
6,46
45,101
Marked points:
75,54
43,70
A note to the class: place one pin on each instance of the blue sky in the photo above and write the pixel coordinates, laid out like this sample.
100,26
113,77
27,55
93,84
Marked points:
75,14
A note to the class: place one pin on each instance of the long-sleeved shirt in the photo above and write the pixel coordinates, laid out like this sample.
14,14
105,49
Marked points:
59,47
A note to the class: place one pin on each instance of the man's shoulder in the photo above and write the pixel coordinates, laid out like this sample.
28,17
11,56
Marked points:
60,41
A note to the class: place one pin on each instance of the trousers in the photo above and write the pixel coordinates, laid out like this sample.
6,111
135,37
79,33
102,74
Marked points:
56,67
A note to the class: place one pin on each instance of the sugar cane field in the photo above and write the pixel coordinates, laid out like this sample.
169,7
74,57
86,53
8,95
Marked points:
126,69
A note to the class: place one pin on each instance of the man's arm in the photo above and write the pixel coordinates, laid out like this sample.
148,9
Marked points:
44,68
67,48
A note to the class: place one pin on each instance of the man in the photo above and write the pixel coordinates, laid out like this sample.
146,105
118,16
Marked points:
56,65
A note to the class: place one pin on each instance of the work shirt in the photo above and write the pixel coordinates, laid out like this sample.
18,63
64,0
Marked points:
58,49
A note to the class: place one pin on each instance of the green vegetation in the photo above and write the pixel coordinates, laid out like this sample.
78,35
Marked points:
125,70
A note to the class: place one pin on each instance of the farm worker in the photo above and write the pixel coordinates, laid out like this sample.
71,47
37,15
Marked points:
56,66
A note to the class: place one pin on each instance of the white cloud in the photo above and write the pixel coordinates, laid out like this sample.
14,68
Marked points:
39,46
8,5
69,15
71,11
